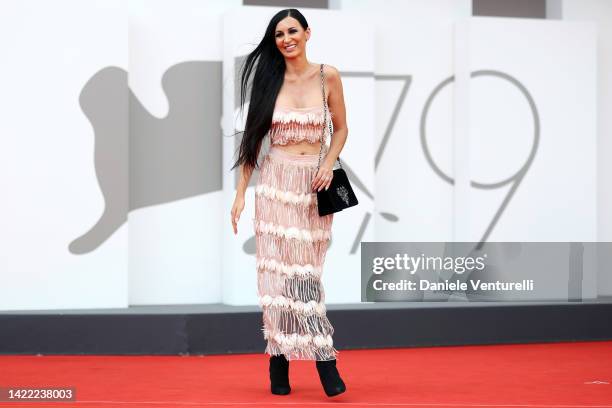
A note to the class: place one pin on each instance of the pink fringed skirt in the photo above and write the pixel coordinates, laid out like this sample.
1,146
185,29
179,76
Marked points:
291,242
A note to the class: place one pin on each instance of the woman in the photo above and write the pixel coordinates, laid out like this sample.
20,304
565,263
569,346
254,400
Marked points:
286,103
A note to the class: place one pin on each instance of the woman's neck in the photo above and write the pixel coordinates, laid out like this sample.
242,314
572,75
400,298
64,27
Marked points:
297,67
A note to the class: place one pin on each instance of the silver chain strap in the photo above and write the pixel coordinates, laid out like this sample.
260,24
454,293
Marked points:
325,108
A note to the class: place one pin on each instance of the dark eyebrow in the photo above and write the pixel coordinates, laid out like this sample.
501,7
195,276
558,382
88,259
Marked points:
280,31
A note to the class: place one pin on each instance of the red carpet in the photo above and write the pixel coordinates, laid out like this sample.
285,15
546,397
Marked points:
523,375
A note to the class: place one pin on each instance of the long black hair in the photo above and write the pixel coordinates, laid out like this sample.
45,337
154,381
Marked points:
266,84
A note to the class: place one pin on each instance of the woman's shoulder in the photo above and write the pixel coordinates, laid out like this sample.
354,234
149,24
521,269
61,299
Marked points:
332,76
330,70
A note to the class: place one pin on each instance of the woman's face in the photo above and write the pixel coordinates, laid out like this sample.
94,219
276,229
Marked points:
291,37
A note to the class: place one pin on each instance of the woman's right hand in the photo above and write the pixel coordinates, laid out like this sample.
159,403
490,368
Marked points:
236,211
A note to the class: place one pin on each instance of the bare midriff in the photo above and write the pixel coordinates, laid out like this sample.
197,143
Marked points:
301,147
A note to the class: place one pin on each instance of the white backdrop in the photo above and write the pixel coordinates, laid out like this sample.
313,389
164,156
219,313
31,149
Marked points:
61,63
600,13
556,198
175,74
412,202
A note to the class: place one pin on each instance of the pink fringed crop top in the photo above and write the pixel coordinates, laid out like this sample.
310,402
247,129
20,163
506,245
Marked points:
294,125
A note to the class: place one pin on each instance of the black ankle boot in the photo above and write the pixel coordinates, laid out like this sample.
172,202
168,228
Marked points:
279,375
330,378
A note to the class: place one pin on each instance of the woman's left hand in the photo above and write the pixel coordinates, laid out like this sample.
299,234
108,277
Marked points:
323,178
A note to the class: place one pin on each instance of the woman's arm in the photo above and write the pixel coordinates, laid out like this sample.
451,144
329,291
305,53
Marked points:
335,102
238,206
245,176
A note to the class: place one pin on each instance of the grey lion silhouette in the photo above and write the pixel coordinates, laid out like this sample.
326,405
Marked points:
141,160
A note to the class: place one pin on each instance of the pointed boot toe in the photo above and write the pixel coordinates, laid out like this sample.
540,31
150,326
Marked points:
330,378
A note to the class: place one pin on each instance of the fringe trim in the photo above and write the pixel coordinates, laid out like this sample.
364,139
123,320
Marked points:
310,235
311,352
296,215
287,176
298,288
285,196
314,116
294,251
297,336
292,132
273,265
294,339
306,308
290,126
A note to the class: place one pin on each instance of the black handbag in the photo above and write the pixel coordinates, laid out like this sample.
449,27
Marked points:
340,194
